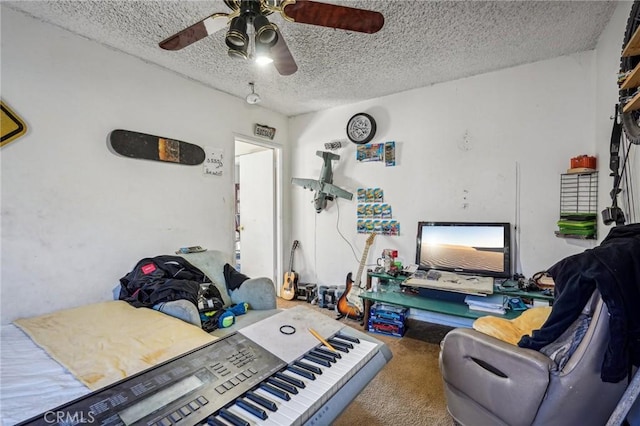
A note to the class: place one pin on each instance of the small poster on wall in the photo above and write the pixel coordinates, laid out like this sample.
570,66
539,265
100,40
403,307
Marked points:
377,152
373,214
214,161
382,227
389,153
370,152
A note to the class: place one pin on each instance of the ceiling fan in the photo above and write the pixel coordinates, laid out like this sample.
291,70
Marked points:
250,33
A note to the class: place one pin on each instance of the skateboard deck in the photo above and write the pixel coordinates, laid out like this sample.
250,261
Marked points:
148,147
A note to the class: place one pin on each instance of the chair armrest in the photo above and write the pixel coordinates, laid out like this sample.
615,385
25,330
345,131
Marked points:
181,309
259,293
508,381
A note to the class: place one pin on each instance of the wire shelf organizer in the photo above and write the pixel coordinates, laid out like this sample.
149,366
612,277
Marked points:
578,205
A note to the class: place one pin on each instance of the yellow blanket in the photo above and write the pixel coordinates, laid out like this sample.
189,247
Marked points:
105,342
511,331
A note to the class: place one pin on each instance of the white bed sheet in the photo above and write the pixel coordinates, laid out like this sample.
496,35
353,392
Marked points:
31,382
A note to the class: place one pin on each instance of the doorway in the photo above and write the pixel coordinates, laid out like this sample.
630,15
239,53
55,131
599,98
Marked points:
257,208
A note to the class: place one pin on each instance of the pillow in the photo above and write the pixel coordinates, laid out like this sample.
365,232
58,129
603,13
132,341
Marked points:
511,331
233,278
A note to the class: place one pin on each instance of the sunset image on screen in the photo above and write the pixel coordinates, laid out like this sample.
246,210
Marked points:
469,248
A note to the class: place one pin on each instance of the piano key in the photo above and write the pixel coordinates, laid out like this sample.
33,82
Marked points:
266,403
287,412
321,355
329,352
309,356
282,385
330,381
338,342
275,391
232,418
347,338
300,406
292,380
211,420
302,372
340,347
246,416
308,367
251,408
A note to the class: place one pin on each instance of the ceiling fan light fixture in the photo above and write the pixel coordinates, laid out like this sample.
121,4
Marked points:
262,55
237,34
266,32
238,53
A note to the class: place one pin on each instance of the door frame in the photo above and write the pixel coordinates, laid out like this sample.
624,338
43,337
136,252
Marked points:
277,193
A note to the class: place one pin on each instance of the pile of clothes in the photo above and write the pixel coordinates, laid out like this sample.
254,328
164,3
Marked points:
161,279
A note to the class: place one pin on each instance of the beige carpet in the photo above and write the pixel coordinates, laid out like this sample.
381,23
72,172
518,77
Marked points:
408,390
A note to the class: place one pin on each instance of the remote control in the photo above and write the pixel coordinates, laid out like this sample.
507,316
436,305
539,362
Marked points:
192,249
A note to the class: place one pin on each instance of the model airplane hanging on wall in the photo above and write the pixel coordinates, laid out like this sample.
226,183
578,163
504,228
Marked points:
324,187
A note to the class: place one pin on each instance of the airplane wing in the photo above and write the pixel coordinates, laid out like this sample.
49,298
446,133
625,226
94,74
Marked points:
336,191
307,183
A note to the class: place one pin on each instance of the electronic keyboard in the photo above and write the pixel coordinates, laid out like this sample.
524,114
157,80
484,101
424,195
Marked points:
273,372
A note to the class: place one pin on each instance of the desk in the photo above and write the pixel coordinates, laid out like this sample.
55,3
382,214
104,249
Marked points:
449,308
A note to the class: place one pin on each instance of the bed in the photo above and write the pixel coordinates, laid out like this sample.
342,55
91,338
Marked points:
51,359
54,358
106,362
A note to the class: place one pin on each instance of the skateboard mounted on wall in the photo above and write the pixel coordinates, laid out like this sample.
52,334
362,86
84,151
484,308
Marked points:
148,147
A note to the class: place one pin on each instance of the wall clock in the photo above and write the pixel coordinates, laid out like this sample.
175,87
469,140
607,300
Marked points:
361,128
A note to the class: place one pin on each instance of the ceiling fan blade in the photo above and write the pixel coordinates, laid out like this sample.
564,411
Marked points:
195,32
333,16
282,58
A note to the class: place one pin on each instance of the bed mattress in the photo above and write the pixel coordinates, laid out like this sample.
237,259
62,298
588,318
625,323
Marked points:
30,380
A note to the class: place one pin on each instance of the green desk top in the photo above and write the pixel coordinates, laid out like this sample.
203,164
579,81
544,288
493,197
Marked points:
391,292
515,293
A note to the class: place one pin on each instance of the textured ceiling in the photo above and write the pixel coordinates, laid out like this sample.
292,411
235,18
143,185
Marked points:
421,43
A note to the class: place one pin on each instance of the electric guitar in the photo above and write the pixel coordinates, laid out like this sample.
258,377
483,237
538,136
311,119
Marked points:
350,304
290,284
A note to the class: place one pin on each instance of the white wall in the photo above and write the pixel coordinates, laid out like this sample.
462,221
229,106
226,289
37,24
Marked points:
75,217
458,147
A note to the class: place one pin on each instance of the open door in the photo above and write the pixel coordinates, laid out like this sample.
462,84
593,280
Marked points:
257,212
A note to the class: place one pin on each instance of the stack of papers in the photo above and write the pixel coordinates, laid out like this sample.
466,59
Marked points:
494,304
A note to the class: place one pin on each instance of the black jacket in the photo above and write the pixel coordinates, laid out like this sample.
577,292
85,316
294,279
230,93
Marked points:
161,279
614,269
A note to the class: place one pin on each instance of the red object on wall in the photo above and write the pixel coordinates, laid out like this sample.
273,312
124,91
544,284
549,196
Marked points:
583,161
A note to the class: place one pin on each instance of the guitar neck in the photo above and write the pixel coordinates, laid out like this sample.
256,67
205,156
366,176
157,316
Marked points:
293,248
361,267
291,260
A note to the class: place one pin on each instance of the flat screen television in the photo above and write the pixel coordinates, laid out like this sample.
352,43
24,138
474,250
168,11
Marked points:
475,248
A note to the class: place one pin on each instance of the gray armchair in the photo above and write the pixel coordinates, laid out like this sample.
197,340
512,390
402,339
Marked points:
491,382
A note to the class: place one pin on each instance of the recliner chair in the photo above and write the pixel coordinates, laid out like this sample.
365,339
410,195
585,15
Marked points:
491,382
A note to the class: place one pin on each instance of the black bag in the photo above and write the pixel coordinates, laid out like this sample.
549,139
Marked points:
209,298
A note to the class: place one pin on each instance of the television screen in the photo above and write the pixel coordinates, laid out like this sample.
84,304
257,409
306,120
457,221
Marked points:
465,247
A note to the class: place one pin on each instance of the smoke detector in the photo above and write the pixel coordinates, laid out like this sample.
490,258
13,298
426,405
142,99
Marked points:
253,98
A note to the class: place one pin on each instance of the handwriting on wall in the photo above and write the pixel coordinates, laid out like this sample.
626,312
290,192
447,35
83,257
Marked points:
214,161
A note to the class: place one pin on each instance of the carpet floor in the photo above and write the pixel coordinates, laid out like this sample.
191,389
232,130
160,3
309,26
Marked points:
409,389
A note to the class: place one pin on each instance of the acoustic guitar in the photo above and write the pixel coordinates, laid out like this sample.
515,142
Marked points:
290,282
350,304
